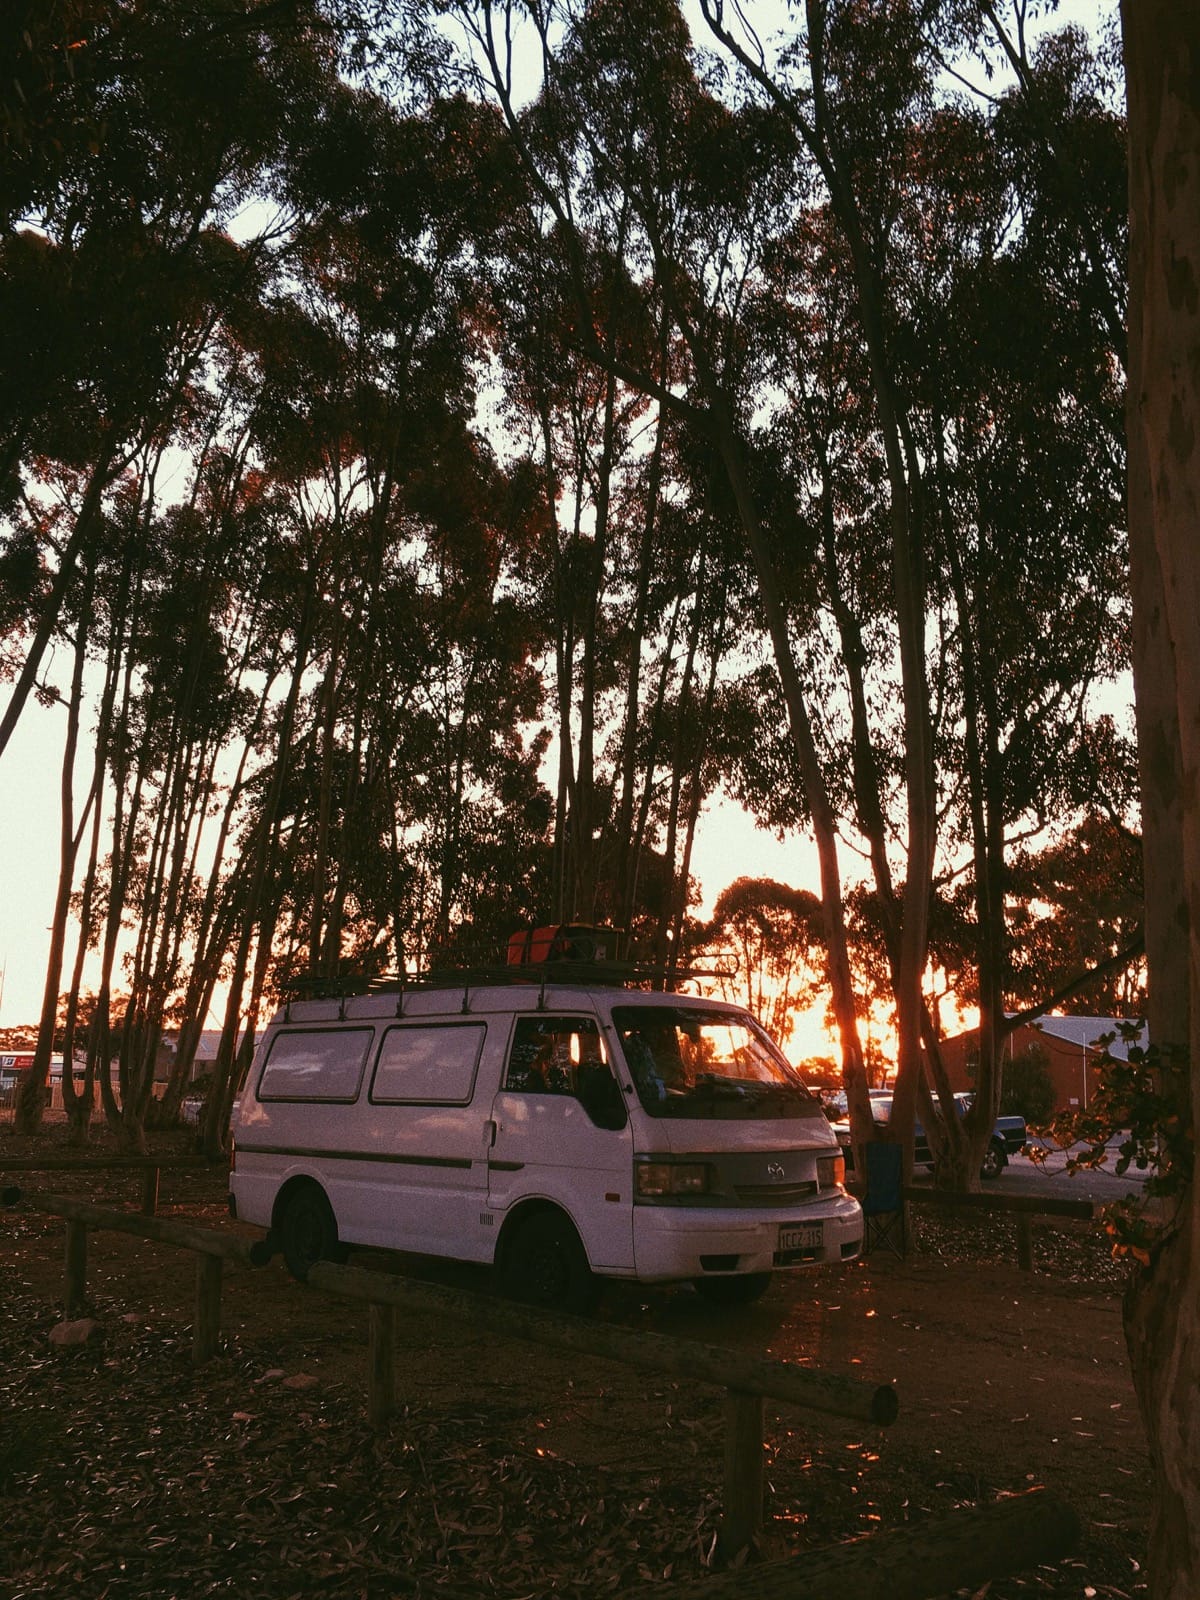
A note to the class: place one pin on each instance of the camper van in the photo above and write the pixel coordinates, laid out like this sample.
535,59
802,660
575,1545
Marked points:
562,1132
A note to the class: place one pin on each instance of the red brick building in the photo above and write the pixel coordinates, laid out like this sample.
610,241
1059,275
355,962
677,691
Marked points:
1069,1044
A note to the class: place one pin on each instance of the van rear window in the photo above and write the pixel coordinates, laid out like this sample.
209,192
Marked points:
428,1065
316,1064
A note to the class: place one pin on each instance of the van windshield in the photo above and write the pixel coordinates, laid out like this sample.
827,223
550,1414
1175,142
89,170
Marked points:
690,1063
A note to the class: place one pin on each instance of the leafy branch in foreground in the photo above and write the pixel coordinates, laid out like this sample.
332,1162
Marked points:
1143,1099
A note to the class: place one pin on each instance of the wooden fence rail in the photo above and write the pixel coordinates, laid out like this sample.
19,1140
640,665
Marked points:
1025,1207
963,1549
212,1251
151,1167
746,1380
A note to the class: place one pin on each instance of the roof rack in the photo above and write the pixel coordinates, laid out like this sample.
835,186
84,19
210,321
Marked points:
567,952
604,974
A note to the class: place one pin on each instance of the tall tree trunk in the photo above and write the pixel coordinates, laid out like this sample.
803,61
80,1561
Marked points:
653,746
31,1099
621,888
84,528
1162,57
821,810
584,821
666,952
695,776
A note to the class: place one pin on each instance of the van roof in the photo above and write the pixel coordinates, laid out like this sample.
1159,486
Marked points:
471,1000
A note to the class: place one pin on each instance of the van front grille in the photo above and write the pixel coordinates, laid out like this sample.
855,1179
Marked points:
774,1194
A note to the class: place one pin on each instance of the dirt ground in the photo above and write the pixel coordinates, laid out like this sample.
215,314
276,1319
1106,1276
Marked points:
512,1471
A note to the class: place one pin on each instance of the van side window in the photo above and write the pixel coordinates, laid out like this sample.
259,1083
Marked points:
548,1054
428,1065
315,1064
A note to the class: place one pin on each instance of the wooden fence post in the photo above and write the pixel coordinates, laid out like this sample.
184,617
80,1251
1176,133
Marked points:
1024,1242
743,1517
150,1192
75,1293
206,1330
381,1363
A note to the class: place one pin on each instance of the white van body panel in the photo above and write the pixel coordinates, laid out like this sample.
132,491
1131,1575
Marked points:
585,1170
418,1118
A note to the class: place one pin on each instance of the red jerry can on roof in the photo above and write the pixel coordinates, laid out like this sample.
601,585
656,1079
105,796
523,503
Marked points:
562,941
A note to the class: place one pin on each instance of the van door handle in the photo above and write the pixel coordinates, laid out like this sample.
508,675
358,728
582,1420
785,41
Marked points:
492,1130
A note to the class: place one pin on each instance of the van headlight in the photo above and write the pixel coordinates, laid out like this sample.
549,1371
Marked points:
663,1180
831,1171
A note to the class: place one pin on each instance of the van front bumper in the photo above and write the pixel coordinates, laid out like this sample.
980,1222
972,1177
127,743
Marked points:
673,1242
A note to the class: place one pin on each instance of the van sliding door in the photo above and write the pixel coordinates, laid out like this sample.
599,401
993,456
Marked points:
424,1185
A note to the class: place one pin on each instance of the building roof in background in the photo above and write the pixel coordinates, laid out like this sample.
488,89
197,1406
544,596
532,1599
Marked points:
206,1047
1086,1031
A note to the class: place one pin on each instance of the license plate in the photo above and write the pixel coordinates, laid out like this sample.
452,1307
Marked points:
808,1237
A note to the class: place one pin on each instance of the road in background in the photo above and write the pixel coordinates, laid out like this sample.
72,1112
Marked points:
1024,1176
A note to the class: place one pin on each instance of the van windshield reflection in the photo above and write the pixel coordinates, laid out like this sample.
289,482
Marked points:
688,1063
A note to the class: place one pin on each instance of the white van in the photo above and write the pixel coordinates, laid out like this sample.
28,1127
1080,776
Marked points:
562,1132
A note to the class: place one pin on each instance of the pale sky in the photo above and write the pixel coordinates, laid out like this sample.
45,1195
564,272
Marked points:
29,813
728,846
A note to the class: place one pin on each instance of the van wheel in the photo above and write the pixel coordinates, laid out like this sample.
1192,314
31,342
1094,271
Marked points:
307,1230
545,1265
740,1291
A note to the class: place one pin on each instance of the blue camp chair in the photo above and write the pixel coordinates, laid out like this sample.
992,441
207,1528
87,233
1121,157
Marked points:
883,1200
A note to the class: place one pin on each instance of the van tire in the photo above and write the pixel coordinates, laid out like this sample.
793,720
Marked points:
545,1265
307,1230
743,1290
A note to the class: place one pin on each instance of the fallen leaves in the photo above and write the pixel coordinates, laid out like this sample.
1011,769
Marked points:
443,1503
128,1474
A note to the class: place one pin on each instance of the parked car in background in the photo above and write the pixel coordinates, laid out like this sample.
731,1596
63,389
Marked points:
837,1107
1009,1135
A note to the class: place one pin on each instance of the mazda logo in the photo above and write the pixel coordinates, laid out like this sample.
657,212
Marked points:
775,1172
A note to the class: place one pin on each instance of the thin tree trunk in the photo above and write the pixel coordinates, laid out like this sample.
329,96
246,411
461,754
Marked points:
821,809
89,513
31,1100
666,953
621,896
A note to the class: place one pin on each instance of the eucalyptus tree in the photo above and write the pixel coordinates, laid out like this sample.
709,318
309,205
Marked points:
188,668
941,281
115,272
1018,425
572,424
851,83
109,229
1162,48
420,655
622,570
775,932
1076,914
623,567
623,127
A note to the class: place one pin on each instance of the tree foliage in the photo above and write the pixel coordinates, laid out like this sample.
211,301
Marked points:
485,465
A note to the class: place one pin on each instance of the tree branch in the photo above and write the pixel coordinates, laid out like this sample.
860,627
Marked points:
1116,963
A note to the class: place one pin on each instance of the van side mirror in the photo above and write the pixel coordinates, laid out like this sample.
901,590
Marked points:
600,1096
